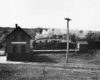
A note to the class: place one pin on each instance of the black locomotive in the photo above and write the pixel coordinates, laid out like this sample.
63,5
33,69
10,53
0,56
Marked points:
52,44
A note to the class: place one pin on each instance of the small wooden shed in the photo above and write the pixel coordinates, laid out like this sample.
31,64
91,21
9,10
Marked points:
18,44
82,45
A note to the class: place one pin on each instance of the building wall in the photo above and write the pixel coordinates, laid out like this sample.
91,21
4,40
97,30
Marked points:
9,44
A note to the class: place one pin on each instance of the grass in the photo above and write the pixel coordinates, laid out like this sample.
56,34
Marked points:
30,72
80,58
51,72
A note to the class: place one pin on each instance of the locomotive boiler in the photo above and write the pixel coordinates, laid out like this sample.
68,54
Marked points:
52,44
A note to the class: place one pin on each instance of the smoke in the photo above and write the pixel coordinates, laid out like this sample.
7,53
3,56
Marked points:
49,33
59,31
82,34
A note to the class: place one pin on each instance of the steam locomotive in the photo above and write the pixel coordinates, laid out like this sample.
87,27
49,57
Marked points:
52,44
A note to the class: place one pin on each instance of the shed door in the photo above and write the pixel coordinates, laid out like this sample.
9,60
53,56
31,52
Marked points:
23,49
14,48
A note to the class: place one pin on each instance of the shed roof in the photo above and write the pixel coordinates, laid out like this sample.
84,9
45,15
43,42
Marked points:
17,29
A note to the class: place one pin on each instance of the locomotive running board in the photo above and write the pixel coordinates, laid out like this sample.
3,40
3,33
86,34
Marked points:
63,50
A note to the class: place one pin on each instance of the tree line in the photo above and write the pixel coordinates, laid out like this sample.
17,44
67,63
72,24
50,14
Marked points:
90,36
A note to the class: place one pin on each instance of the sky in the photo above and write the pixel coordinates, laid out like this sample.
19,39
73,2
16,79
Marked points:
84,14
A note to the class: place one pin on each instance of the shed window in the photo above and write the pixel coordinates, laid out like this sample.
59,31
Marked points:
22,37
23,49
40,41
14,37
45,41
14,48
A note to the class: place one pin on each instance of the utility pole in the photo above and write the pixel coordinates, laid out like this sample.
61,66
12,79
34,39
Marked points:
76,40
67,38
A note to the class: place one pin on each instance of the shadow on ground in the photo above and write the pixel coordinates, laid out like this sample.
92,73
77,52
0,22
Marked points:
31,58
42,58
